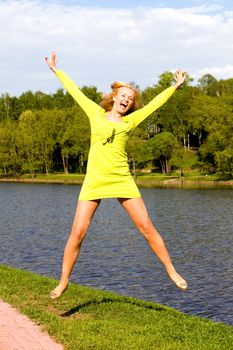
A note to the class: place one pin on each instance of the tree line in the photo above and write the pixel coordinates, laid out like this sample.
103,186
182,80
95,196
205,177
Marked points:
43,133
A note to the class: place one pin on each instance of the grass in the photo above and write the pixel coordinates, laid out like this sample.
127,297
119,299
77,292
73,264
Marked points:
86,318
55,177
192,179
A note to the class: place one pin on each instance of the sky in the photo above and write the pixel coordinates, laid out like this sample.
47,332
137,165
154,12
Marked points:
98,42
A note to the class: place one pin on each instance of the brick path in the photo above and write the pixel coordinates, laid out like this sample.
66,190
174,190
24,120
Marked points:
17,332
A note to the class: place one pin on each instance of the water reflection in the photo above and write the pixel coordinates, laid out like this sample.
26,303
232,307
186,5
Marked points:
196,225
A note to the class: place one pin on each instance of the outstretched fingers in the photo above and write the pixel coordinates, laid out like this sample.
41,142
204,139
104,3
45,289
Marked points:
180,77
52,61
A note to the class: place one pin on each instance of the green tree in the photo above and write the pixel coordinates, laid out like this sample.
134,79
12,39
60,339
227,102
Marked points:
73,137
29,143
167,79
38,139
46,131
135,151
8,107
150,126
78,133
205,82
219,127
224,160
202,107
92,93
175,115
9,154
161,147
183,159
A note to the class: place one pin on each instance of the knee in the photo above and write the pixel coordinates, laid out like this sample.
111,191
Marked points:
149,232
145,227
78,234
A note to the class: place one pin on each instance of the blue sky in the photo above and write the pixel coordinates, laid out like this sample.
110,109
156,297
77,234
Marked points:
227,4
98,42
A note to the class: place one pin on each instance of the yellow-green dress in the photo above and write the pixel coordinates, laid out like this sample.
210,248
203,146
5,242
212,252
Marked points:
108,174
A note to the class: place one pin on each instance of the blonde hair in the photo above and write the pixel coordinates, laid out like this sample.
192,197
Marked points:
107,101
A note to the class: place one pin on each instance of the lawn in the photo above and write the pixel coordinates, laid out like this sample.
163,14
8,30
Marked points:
85,318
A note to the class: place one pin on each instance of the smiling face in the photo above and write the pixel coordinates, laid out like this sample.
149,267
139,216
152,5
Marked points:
123,100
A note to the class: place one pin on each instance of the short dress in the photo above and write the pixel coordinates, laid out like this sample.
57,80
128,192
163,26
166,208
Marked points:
108,174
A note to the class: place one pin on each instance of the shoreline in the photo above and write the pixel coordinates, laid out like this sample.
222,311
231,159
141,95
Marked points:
106,320
147,183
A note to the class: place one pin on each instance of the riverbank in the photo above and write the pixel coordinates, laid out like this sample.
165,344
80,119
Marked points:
86,318
142,180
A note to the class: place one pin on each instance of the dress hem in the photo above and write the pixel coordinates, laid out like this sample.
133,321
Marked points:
106,197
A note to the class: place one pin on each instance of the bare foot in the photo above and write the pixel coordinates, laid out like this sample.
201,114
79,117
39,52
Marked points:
178,280
58,291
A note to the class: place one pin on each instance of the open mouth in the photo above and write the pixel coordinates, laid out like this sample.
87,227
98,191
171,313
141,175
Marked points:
124,105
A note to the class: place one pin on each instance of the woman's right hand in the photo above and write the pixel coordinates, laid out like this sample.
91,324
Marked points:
52,61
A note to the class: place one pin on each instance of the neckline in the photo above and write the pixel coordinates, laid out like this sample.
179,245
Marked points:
112,121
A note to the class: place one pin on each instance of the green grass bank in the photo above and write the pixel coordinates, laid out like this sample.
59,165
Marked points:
190,180
85,318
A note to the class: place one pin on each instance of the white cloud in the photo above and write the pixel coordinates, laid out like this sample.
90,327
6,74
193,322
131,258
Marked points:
223,72
99,45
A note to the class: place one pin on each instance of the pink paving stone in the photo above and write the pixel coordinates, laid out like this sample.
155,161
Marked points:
17,332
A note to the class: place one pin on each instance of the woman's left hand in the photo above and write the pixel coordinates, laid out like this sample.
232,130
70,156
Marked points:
180,77
52,61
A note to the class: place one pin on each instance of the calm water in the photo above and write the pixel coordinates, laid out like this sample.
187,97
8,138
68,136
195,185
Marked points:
197,226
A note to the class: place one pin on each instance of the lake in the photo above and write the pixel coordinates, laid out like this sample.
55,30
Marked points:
197,226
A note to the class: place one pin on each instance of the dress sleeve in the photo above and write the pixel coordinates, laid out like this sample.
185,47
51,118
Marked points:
141,114
88,106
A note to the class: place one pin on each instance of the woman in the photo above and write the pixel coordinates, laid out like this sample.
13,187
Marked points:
108,172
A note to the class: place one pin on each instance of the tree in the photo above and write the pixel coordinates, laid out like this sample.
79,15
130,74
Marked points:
167,79
92,93
175,115
78,132
206,80
161,147
224,160
73,137
9,154
46,131
135,151
8,107
38,139
200,113
183,159
219,125
29,142
150,127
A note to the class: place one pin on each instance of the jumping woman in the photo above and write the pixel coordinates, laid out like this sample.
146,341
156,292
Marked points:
108,174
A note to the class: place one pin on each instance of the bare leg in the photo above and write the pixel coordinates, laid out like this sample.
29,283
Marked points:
138,213
84,213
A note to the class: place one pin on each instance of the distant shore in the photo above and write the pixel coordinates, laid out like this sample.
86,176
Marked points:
184,183
148,181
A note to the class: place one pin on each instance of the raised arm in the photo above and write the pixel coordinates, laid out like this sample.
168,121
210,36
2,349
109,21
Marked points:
89,106
141,114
